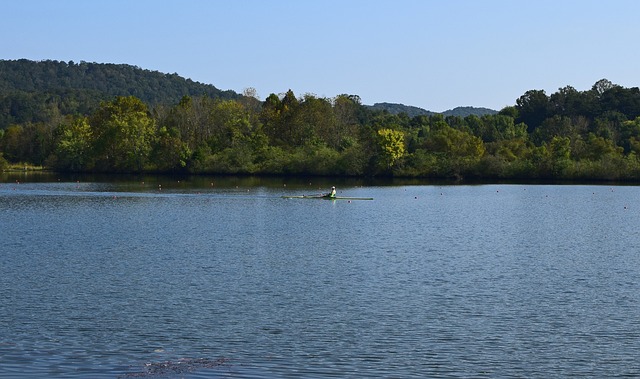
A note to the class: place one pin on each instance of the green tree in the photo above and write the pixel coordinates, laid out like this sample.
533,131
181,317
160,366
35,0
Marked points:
609,125
270,117
630,131
3,163
510,150
229,125
193,118
599,147
491,128
458,152
553,126
454,143
353,158
317,121
13,143
124,134
29,142
350,117
507,159
170,153
288,128
569,102
533,108
73,148
555,157
391,146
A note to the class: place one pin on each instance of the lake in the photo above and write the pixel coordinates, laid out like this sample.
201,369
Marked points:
223,278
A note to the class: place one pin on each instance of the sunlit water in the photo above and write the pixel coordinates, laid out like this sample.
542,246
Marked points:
108,280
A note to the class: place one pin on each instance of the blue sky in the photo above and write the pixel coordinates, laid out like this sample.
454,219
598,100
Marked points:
432,54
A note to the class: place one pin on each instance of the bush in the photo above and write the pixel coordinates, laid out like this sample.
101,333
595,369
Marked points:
3,163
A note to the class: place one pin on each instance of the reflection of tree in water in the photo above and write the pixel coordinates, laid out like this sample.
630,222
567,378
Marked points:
181,366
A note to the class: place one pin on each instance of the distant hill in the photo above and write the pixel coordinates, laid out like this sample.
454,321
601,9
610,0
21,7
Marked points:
412,111
394,108
30,90
112,80
468,111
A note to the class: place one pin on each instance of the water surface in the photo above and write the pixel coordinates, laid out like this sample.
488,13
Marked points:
126,279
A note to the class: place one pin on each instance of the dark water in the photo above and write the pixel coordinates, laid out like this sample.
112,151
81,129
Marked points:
119,280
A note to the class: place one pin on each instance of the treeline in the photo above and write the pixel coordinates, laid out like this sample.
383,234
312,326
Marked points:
282,135
31,90
593,134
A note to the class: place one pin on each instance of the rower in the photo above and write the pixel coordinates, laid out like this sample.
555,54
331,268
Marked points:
333,192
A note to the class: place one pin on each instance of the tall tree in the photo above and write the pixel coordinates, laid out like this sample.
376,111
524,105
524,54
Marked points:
349,113
270,116
124,134
289,129
317,121
74,144
533,108
229,123
391,145
170,153
567,101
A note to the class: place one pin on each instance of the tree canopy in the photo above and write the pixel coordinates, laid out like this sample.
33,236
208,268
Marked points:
569,134
29,90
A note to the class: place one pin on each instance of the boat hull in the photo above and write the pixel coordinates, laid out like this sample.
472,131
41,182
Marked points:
319,197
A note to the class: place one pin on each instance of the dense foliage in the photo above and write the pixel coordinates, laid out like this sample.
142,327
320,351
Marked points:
571,134
30,91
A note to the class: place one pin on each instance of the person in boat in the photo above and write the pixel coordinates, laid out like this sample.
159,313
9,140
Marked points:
332,193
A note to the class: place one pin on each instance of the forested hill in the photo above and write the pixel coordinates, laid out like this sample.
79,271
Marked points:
469,111
395,108
412,111
152,87
26,85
